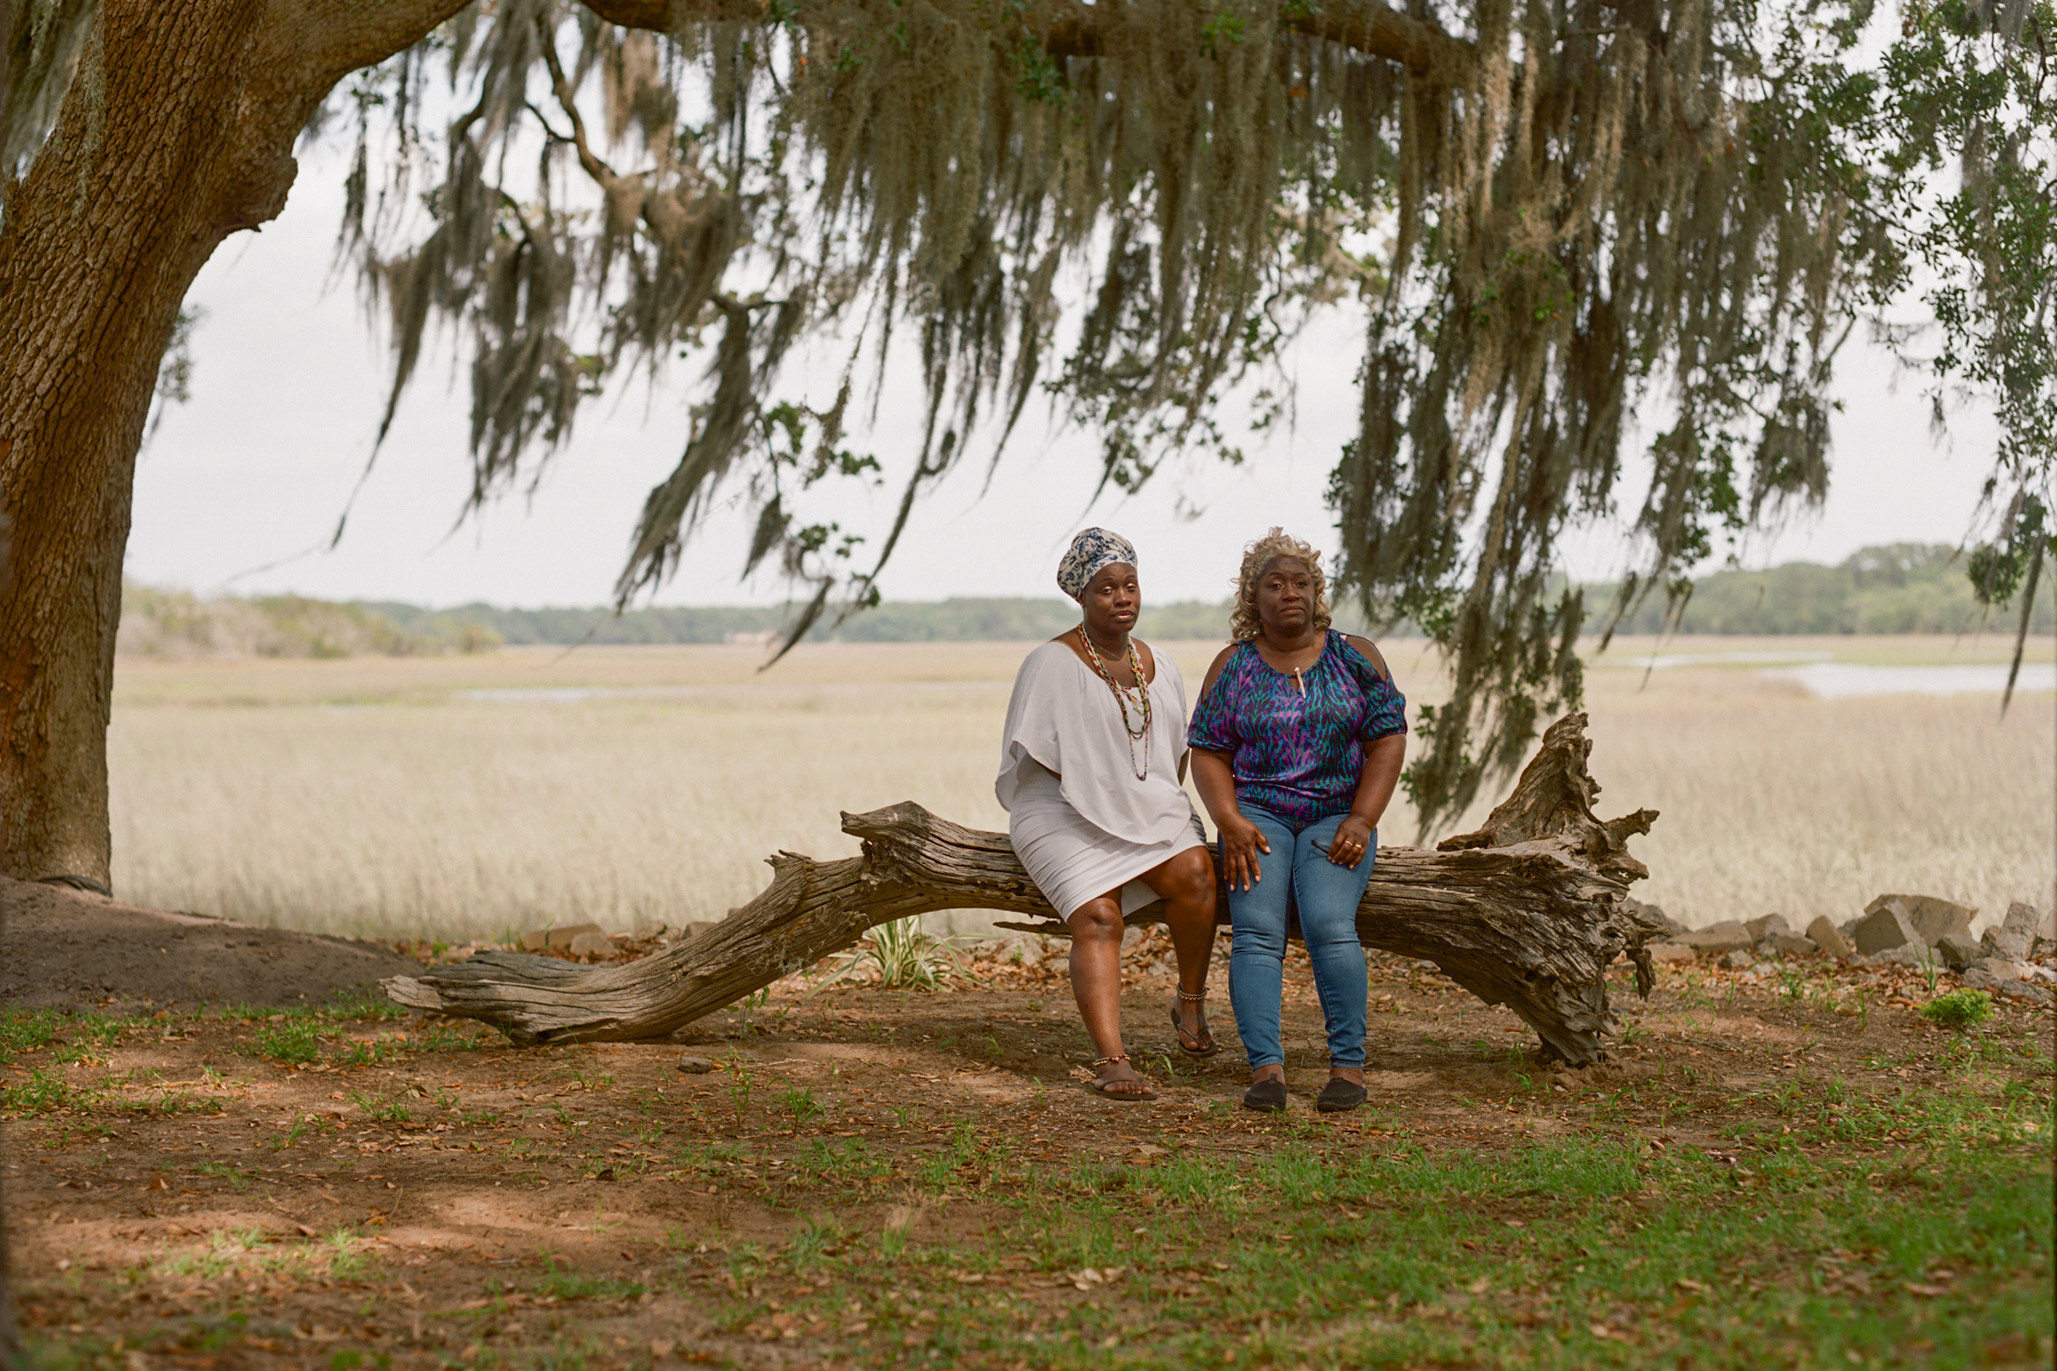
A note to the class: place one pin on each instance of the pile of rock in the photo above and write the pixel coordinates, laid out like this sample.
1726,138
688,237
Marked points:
589,942
1904,930
1735,942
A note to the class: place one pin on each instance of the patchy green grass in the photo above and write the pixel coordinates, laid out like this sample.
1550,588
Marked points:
1790,1191
1594,1251
44,1092
293,1041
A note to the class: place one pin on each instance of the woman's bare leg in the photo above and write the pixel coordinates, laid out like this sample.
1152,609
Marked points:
1186,885
1096,930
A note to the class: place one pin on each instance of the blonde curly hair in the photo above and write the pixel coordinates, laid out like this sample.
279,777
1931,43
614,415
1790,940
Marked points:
1257,559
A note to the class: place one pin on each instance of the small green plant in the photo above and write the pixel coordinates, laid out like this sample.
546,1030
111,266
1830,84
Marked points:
295,1040
1959,1009
801,1104
906,958
368,1052
740,1082
25,1031
302,1126
387,1111
561,1283
44,1092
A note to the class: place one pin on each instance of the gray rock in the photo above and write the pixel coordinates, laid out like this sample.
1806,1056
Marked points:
2032,972
695,1066
1652,913
647,931
593,944
1671,952
2005,943
535,940
1994,968
1906,954
1883,929
1984,977
1958,950
1737,960
1792,945
563,935
1766,926
1931,917
1830,939
1715,939
2023,918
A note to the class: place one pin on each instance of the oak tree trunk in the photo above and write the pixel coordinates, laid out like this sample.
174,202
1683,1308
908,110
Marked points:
1527,912
176,131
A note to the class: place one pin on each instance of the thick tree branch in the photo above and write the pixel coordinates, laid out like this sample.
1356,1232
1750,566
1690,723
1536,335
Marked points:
336,37
1075,29
1526,912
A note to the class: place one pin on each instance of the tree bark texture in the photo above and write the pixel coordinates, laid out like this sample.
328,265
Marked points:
1526,912
176,131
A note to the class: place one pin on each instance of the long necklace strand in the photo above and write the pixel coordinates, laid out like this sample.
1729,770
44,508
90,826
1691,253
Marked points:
1121,696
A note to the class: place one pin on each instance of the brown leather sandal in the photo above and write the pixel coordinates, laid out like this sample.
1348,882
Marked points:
1207,1046
1106,1089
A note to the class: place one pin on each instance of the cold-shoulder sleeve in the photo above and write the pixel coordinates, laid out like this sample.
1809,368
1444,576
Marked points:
1042,688
1385,708
1213,728
1385,711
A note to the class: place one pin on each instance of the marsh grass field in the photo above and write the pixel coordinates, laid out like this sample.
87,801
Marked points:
464,798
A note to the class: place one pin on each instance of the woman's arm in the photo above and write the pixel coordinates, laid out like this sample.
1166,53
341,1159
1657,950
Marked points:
1383,758
1241,841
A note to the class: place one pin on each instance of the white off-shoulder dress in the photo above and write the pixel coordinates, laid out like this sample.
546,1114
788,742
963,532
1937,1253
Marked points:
1079,819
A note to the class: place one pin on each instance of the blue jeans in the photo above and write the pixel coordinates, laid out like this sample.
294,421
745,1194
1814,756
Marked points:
1326,897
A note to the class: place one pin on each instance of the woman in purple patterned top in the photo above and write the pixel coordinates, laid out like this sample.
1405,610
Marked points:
1297,744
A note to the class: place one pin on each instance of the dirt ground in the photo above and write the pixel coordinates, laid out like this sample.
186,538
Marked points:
860,1176
68,949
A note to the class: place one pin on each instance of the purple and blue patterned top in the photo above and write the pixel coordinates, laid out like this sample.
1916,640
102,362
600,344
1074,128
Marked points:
1299,756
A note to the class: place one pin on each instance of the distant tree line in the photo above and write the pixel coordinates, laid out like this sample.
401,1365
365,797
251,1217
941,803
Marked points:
1896,588
947,621
1900,588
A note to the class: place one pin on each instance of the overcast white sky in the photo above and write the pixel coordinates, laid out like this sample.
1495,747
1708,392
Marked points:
289,385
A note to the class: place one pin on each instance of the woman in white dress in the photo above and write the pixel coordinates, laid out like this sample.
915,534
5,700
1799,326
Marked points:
1091,775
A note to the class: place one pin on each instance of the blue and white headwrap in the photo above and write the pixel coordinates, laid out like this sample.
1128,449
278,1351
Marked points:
1090,553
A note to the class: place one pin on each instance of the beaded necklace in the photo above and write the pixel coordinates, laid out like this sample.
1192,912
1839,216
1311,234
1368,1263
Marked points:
1121,694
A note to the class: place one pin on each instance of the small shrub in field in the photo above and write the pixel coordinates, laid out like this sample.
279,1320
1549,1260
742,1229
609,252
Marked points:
1959,1009
906,958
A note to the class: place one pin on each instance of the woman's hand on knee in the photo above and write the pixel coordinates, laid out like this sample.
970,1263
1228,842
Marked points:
1241,841
1352,842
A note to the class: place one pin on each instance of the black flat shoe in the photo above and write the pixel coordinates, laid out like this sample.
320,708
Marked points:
1266,1097
1339,1097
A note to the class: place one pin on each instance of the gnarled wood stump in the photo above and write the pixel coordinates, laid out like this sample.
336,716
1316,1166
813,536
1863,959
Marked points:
1526,912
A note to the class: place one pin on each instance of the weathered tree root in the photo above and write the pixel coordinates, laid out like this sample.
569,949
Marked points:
1525,912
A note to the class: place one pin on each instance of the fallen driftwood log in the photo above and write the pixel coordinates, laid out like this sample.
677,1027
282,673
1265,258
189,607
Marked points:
1527,912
